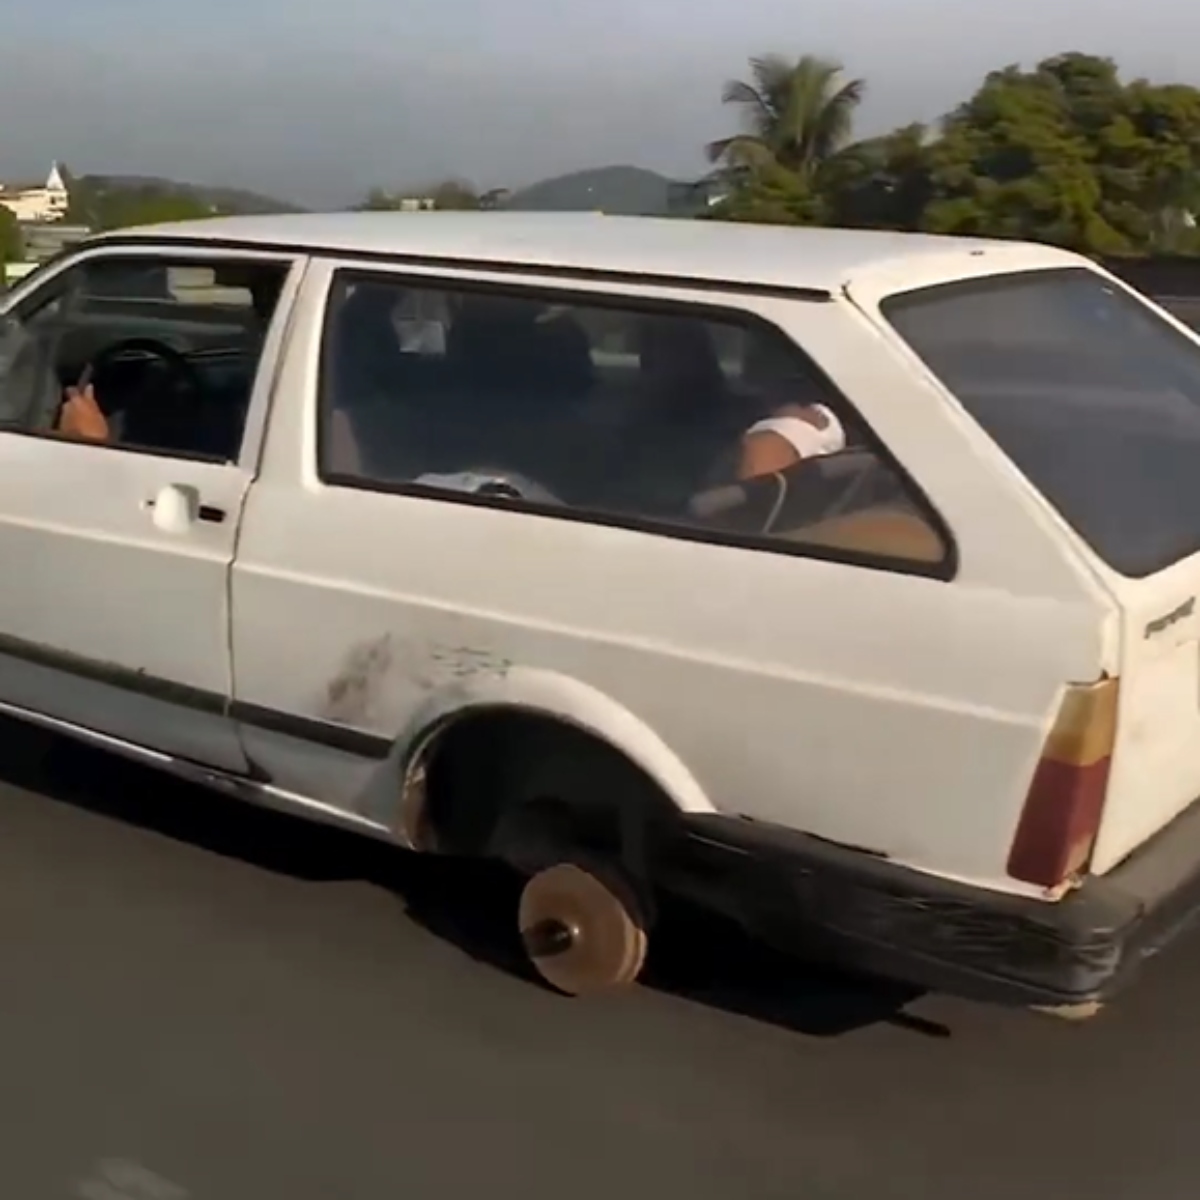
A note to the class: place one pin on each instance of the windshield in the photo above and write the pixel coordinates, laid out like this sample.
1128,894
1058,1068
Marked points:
1090,393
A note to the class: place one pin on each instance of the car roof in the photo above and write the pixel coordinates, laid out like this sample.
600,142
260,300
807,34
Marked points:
760,256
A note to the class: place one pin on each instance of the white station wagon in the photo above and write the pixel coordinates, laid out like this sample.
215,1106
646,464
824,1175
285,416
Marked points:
433,526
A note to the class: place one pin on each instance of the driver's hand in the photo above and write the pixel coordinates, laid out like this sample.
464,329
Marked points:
81,416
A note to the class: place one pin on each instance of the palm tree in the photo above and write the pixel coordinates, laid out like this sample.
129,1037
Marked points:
796,115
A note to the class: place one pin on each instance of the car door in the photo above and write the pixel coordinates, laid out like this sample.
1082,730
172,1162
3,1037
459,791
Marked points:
114,607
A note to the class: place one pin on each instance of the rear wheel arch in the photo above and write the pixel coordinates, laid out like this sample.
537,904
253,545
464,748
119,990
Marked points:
528,785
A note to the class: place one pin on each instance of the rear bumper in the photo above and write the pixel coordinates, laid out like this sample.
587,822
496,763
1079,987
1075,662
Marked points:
850,907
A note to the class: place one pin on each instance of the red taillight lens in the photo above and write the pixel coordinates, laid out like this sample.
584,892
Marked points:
1065,801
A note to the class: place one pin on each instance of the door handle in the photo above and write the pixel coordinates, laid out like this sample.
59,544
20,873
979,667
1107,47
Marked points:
177,507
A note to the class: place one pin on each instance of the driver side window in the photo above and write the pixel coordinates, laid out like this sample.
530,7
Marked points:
142,352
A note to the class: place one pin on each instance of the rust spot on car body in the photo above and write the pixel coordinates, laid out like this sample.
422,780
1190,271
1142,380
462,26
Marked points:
352,693
367,682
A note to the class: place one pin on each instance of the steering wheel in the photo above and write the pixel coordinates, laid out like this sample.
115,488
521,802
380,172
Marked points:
181,371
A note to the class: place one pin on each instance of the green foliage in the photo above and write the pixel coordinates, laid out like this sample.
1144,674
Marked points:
104,206
1065,153
377,200
451,194
10,240
1013,162
770,194
116,201
881,183
795,115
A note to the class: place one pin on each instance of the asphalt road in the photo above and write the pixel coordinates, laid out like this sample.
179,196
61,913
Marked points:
205,1002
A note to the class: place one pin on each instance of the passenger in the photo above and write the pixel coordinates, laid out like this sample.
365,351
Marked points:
791,434
684,376
796,424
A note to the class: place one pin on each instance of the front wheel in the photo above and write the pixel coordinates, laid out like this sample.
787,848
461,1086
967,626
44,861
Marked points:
584,928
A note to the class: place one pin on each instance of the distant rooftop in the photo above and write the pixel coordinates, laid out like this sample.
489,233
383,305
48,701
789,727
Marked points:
758,255
53,182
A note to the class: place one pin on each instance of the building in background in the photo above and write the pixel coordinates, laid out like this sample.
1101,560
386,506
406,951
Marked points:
37,204
44,239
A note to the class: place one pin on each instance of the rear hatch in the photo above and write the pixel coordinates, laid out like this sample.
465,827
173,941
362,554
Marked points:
1094,396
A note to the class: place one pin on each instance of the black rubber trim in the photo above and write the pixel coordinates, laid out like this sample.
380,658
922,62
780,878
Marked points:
492,266
309,729
325,733
866,913
125,678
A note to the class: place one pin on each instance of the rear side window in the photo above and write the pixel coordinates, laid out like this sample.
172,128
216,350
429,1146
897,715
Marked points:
609,411
1089,392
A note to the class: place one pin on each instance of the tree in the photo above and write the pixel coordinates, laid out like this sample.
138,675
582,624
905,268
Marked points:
770,194
494,198
151,208
1012,163
883,182
1067,153
104,206
797,117
378,200
454,195
1148,165
795,114
10,240
450,194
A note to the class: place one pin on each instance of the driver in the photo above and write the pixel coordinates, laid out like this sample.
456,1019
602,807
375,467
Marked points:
81,417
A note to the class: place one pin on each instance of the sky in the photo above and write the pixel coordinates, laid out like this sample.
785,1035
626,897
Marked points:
318,104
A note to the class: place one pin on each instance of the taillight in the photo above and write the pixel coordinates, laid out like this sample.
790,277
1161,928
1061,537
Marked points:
1065,800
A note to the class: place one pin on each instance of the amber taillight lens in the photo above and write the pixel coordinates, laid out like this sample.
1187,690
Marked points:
1065,801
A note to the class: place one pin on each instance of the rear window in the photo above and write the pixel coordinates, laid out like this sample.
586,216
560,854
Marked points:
1090,393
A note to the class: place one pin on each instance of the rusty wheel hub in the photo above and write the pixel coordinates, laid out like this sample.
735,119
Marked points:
583,929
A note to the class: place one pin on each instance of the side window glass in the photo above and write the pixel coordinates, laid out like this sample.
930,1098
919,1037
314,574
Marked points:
28,390
682,419
156,354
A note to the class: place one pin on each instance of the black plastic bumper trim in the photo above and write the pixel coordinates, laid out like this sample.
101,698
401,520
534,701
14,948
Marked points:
811,896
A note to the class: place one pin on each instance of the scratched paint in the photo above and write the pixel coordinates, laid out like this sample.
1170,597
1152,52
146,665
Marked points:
462,662
352,696
367,690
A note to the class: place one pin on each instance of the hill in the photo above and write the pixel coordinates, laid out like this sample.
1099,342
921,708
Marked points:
623,191
220,199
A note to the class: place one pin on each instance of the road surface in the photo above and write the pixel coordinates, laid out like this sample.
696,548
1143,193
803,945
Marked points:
205,1002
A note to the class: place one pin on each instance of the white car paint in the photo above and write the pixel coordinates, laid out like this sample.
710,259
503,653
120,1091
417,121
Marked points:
1156,760
116,568
886,711
831,717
